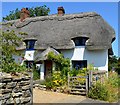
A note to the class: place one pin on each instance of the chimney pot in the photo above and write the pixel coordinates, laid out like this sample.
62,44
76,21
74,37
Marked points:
24,14
61,11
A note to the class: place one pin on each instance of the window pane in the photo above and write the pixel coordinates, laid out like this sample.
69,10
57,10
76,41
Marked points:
80,41
79,64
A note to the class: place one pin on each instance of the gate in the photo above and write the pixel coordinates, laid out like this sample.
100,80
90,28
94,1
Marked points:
78,85
81,84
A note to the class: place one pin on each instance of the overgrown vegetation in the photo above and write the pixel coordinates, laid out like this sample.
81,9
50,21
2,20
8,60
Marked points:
8,48
36,75
107,91
114,64
59,76
34,11
62,64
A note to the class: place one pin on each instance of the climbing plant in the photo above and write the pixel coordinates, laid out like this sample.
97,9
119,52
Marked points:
62,64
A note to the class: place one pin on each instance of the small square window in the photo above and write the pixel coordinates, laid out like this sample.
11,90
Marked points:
80,41
79,64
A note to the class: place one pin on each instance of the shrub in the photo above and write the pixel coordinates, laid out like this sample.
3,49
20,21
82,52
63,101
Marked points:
48,83
36,75
113,79
13,67
73,72
58,79
99,91
108,91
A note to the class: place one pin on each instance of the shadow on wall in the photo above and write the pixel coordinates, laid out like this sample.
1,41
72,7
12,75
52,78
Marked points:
68,53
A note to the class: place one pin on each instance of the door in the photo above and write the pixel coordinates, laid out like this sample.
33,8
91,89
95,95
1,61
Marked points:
48,68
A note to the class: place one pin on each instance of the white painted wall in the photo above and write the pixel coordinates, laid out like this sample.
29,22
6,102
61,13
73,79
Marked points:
29,55
98,58
42,74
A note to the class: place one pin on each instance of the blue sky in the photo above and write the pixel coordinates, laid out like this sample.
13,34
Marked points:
108,10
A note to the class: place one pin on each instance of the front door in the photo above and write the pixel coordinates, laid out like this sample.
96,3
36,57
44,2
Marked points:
48,68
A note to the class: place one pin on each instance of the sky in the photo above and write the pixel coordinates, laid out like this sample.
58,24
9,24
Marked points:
108,10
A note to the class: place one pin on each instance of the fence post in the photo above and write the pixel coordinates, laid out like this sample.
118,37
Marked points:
68,80
86,84
90,78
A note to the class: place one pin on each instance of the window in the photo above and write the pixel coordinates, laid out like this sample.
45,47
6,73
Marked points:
80,41
30,44
79,64
29,64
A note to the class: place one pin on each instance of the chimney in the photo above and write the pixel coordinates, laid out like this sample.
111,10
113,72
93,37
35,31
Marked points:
24,14
61,11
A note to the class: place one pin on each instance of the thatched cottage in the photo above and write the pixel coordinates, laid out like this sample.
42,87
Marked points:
84,38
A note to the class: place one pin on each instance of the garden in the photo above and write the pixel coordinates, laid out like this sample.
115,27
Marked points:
58,81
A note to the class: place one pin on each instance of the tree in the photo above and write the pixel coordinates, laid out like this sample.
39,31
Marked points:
8,48
34,11
114,63
118,69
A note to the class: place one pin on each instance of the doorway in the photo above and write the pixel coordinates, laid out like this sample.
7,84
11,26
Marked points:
48,68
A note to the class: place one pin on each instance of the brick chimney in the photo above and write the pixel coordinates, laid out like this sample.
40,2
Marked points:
24,14
61,11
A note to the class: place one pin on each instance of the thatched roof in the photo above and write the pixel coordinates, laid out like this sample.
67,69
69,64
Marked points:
57,31
43,55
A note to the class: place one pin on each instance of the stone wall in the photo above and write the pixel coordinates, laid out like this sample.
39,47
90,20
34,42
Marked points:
15,90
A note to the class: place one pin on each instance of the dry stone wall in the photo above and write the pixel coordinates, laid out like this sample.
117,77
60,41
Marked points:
15,90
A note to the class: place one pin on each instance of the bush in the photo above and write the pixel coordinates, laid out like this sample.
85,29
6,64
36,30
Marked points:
13,67
108,91
48,83
113,79
57,79
99,91
73,72
36,75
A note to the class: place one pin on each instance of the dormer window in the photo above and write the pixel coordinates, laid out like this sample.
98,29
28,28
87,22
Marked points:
30,44
80,41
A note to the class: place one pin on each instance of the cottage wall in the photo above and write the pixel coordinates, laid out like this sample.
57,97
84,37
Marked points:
99,58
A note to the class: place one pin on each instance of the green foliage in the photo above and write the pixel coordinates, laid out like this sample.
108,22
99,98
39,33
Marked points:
59,75
73,72
15,14
9,43
62,64
36,75
99,91
90,67
107,91
34,11
58,79
48,83
13,67
114,62
39,11
113,79
81,72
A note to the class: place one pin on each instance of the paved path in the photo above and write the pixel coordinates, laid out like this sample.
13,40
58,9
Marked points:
40,96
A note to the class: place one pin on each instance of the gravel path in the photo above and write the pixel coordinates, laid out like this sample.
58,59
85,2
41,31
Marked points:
40,96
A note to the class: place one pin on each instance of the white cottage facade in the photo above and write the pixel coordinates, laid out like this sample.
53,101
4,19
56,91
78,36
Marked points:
84,38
